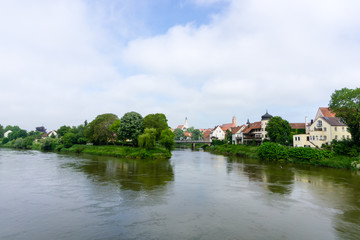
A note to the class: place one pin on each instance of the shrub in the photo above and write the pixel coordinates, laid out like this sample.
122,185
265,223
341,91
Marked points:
69,139
216,142
5,140
273,151
307,154
18,143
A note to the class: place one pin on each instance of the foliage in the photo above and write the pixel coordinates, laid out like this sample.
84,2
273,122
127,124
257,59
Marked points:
35,134
5,140
345,147
238,150
279,131
69,139
196,135
216,142
157,121
1,131
17,132
308,154
48,144
121,151
148,138
179,134
41,129
27,142
98,131
18,143
346,104
167,139
228,136
131,126
63,130
273,151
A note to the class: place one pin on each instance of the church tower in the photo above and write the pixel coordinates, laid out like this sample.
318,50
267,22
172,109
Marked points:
234,121
186,124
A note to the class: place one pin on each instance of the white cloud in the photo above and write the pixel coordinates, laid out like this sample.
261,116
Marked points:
67,61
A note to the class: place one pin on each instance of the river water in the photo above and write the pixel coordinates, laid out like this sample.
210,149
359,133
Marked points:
194,195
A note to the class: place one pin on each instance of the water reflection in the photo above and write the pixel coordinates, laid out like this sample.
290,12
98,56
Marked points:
130,174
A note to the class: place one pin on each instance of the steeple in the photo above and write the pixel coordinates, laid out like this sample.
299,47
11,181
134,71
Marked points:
234,122
186,123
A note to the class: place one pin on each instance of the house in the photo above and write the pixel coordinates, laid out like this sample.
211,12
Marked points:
323,130
206,135
6,134
50,134
237,134
217,133
256,132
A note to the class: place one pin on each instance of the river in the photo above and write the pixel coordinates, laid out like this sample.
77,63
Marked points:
194,195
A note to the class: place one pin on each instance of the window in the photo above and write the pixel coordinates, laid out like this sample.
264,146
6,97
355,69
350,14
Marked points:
325,137
343,137
317,138
343,129
335,128
324,129
335,137
319,123
348,137
321,137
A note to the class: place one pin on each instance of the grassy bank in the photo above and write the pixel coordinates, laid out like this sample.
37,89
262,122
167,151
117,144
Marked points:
234,150
324,160
120,151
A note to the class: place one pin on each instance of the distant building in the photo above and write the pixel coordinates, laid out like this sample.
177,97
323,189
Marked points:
6,134
256,132
185,126
323,130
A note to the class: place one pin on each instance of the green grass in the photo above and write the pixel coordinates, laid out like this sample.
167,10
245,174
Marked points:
235,150
121,151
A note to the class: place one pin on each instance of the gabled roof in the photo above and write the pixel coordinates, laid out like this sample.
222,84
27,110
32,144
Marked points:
180,126
237,129
206,133
333,121
297,125
255,125
324,112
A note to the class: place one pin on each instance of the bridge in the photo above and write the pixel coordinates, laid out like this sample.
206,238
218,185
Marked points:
193,142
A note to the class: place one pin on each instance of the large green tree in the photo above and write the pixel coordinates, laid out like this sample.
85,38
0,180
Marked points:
147,139
131,126
157,121
346,104
196,135
98,131
63,130
279,130
179,134
167,139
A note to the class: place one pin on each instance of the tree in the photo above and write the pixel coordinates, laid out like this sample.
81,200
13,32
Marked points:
131,126
196,135
157,121
346,104
98,131
63,130
179,134
41,129
69,139
167,139
1,131
279,130
228,136
147,139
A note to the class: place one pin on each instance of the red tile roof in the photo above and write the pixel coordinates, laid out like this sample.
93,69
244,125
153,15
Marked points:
255,125
297,125
326,112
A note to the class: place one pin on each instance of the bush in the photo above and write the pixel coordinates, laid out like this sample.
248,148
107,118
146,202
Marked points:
18,143
345,147
273,151
308,154
69,139
216,142
5,140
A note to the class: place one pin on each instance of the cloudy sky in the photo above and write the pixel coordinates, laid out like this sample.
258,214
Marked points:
66,61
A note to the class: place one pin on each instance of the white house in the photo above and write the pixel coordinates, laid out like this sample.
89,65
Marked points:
217,133
6,134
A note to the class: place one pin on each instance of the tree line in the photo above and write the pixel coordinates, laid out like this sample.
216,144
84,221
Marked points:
131,129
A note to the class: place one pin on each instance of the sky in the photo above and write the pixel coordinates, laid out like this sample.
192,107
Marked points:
66,61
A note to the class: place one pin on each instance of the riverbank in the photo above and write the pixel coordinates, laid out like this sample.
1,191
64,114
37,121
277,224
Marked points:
120,151
323,160
103,150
